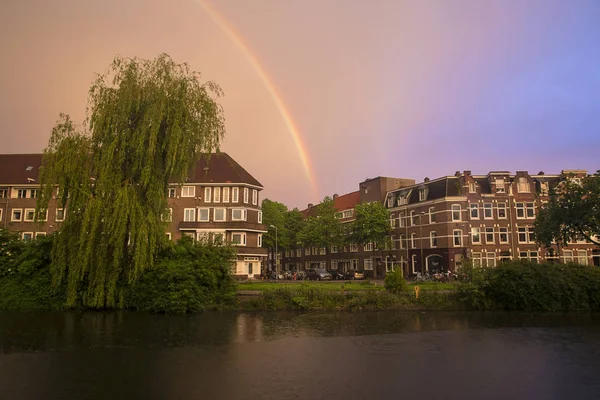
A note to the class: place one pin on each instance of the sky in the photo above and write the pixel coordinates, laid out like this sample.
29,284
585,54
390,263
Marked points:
397,88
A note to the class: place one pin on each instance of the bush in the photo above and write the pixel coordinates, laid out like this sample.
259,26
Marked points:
395,282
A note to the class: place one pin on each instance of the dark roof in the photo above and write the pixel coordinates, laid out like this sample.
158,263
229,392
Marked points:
17,168
220,168
344,202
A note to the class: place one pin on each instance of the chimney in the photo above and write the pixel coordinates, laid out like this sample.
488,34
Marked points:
457,173
426,179
335,196
541,173
467,173
310,205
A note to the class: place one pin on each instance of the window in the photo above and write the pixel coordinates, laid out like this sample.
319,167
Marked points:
217,195
503,232
505,256
168,216
530,210
219,215
455,212
369,246
475,235
225,195
392,221
422,194
217,238
33,194
298,252
582,257
487,211
368,264
38,234
401,242
433,239
259,243
401,220
568,256
189,214
207,193
522,234
501,210
1,214
390,202
260,217
412,218
27,235
203,215
531,233
254,196
347,213
42,215
238,239
172,192
322,251
523,185
489,234
238,214
2,193
534,257
476,257
413,242
544,188
188,191
474,208
235,192
490,258
353,247
413,260
17,214
457,234
472,187
431,215
246,192
21,193
500,185
334,249
29,214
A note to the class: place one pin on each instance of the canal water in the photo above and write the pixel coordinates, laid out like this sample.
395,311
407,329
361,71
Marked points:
376,355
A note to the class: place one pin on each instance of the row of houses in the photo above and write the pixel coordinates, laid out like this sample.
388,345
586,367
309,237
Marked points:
220,200
437,224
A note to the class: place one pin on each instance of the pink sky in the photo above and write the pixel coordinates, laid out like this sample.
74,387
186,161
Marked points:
393,88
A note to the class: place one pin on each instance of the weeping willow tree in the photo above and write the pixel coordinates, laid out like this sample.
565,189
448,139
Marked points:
148,122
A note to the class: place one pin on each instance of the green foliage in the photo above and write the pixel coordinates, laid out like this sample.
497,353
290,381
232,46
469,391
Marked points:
526,286
293,223
572,213
395,282
188,277
11,247
372,224
323,229
148,123
274,215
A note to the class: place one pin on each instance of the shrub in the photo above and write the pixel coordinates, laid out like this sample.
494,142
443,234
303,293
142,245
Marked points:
395,282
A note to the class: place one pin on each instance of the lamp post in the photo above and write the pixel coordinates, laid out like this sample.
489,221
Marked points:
276,249
421,246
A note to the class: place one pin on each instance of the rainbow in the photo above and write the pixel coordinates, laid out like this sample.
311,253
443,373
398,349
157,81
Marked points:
285,114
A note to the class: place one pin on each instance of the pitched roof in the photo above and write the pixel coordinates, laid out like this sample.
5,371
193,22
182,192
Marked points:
341,203
220,168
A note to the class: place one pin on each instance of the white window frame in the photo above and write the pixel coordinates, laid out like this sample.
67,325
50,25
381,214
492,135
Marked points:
224,210
433,239
413,243
582,255
500,188
188,191
259,243
503,230
568,256
254,196
474,207
392,221
226,194
12,215
45,215
235,194
260,216
26,211
168,235
243,214
242,236
412,218
488,207
490,258
56,218
422,195
476,259
401,220
454,236
201,210
456,208
38,234
27,233
217,195
246,195
3,193
501,207
368,246
21,194
172,193
207,194
401,241
353,247
186,213
523,185
493,233
472,187
432,215
413,260
522,230
476,233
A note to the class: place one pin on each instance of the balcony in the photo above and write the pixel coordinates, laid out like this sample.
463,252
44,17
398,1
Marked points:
229,225
242,250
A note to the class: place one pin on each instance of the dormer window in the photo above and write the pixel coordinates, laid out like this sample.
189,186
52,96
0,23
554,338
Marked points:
390,202
544,188
523,185
500,185
472,187
422,194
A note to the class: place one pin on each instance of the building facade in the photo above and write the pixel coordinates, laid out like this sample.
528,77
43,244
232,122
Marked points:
219,201
437,224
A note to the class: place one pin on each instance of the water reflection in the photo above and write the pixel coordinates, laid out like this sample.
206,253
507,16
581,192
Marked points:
377,355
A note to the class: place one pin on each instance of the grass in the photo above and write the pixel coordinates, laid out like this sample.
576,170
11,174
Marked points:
337,286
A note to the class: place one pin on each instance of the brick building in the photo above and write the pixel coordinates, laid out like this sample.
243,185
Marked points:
438,223
219,200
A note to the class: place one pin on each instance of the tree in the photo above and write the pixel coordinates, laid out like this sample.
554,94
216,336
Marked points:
324,229
572,213
372,225
294,223
273,216
148,123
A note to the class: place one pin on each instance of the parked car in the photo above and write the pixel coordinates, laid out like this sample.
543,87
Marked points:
317,275
355,275
336,275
